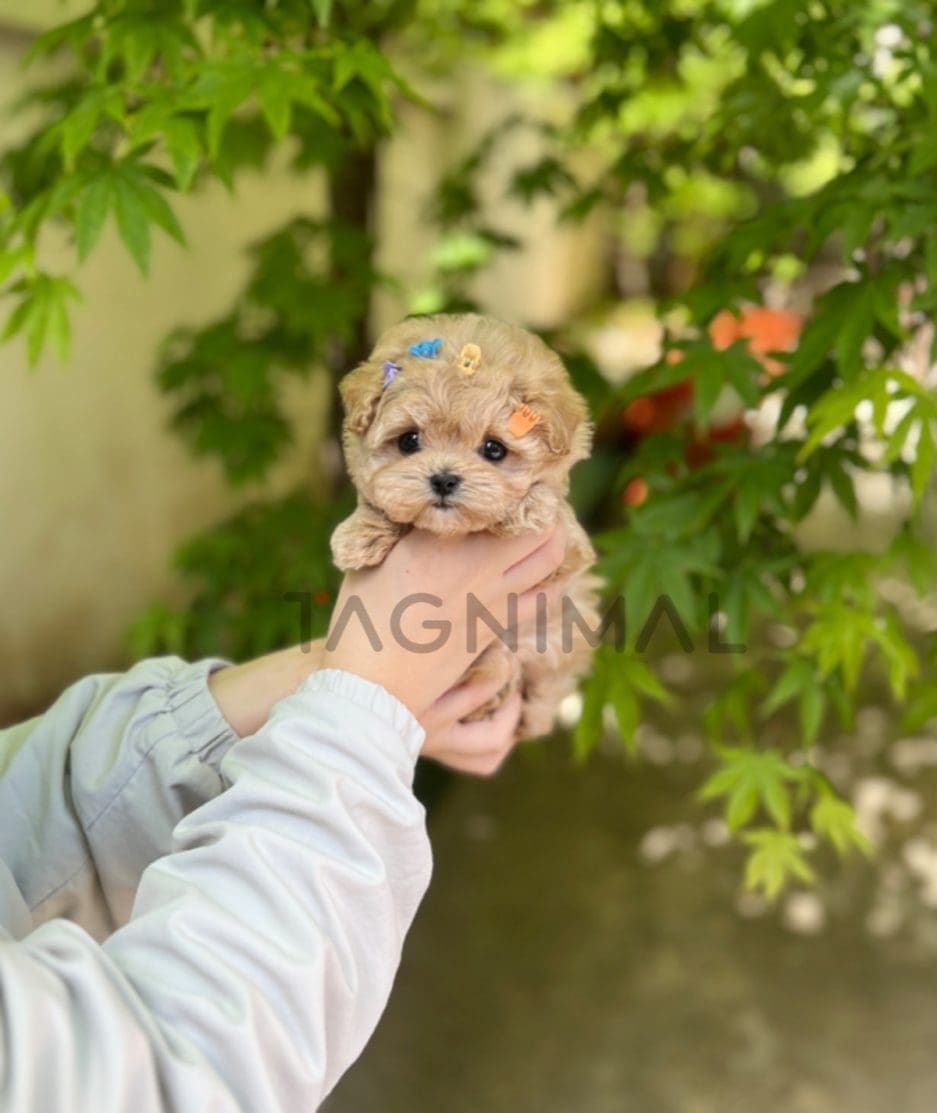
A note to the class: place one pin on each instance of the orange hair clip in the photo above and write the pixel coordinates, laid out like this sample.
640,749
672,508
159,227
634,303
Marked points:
522,421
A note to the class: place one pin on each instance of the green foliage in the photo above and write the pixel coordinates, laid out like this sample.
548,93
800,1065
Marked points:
225,378
619,681
799,683
753,96
42,313
737,139
241,603
164,94
776,857
833,819
749,780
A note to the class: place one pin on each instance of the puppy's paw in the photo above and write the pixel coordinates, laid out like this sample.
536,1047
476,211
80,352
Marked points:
538,718
580,553
537,511
361,542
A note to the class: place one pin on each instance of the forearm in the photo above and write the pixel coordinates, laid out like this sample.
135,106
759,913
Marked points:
246,693
91,790
260,952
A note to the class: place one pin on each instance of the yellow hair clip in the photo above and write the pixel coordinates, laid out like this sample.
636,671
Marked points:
469,359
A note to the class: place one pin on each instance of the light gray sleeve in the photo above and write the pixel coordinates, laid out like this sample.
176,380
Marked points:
91,790
260,952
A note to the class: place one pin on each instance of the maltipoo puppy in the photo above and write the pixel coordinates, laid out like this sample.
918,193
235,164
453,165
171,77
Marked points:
458,423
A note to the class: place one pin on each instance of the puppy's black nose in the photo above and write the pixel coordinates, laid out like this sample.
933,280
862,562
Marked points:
444,482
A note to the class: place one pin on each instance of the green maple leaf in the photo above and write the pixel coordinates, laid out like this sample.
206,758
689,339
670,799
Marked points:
838,637
748,590
841,634
42,315
622,681
800,682
732,707
221,87
181,136
78,126
588,729
749,778
915,557
776,857
661,556
127,189
834,819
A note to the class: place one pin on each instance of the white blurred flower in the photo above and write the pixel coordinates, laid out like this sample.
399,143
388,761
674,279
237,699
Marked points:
676,669
878,799
715,832
654,746
571,710
657,844
890,36
910,755
803,913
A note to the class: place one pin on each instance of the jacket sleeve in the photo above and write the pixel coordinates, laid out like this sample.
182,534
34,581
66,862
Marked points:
260,952
91,790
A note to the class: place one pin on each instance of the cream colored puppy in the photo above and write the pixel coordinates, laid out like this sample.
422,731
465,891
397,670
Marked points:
459,423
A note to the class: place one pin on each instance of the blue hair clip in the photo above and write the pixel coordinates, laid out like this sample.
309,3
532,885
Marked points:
426,349
391,371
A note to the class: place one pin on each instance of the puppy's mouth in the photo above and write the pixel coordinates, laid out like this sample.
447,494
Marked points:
443,516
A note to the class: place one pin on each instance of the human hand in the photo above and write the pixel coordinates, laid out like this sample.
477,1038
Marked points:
479,747
374,634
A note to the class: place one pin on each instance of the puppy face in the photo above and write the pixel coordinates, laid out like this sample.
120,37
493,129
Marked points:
443,448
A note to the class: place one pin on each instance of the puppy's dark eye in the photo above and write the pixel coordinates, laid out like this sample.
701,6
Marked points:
409,443
494,450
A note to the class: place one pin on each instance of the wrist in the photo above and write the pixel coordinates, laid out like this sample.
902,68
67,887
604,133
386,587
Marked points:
372,696
396,682
246,693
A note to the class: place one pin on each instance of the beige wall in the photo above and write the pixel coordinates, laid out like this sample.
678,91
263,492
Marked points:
41,13
560,267
94,491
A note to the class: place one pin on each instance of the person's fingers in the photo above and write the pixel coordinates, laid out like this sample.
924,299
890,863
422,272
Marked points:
476,766
480,763
481,747
538,565
488,737
464,699
536,604
510,550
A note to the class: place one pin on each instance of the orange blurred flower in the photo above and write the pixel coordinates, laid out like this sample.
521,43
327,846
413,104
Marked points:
660,411
635,493
766,330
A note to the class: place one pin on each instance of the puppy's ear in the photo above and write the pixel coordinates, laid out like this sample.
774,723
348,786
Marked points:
361,391
564,418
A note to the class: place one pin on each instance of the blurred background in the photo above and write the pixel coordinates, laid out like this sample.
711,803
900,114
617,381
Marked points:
715,887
